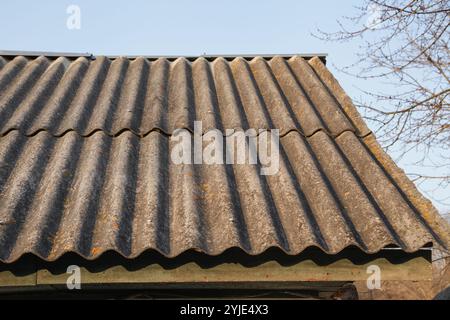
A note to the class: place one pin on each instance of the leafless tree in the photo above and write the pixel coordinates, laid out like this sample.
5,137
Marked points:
405,44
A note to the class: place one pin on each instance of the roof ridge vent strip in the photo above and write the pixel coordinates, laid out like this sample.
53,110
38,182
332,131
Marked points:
227,57
191,58
343,100
46,54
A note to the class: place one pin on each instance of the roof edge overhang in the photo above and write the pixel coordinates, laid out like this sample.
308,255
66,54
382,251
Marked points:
234,267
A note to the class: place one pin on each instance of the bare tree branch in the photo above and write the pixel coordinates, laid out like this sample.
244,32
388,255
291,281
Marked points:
406,44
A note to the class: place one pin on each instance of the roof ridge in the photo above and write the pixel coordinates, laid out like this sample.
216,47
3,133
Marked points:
247,56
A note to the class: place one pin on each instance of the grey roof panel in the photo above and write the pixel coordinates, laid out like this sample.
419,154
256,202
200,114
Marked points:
143,95
85,161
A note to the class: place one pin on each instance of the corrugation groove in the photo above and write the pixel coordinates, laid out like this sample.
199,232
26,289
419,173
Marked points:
78,220
152,222
19,191
14,95
250,96
206,95
230,104
39,95
371,222
331,113
44,214
155,115
425,227
104,111
308,118
361,210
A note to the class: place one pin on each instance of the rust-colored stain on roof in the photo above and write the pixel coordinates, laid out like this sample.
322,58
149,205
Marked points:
85,161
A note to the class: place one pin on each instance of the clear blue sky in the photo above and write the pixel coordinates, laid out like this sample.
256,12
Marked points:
189,28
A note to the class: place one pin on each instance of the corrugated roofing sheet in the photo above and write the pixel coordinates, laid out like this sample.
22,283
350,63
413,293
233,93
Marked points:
85,165
142,96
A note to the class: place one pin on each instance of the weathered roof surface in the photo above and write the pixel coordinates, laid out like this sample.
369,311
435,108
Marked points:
141,96
85,164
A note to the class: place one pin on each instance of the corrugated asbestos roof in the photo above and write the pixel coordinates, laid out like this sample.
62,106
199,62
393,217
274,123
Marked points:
85,164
